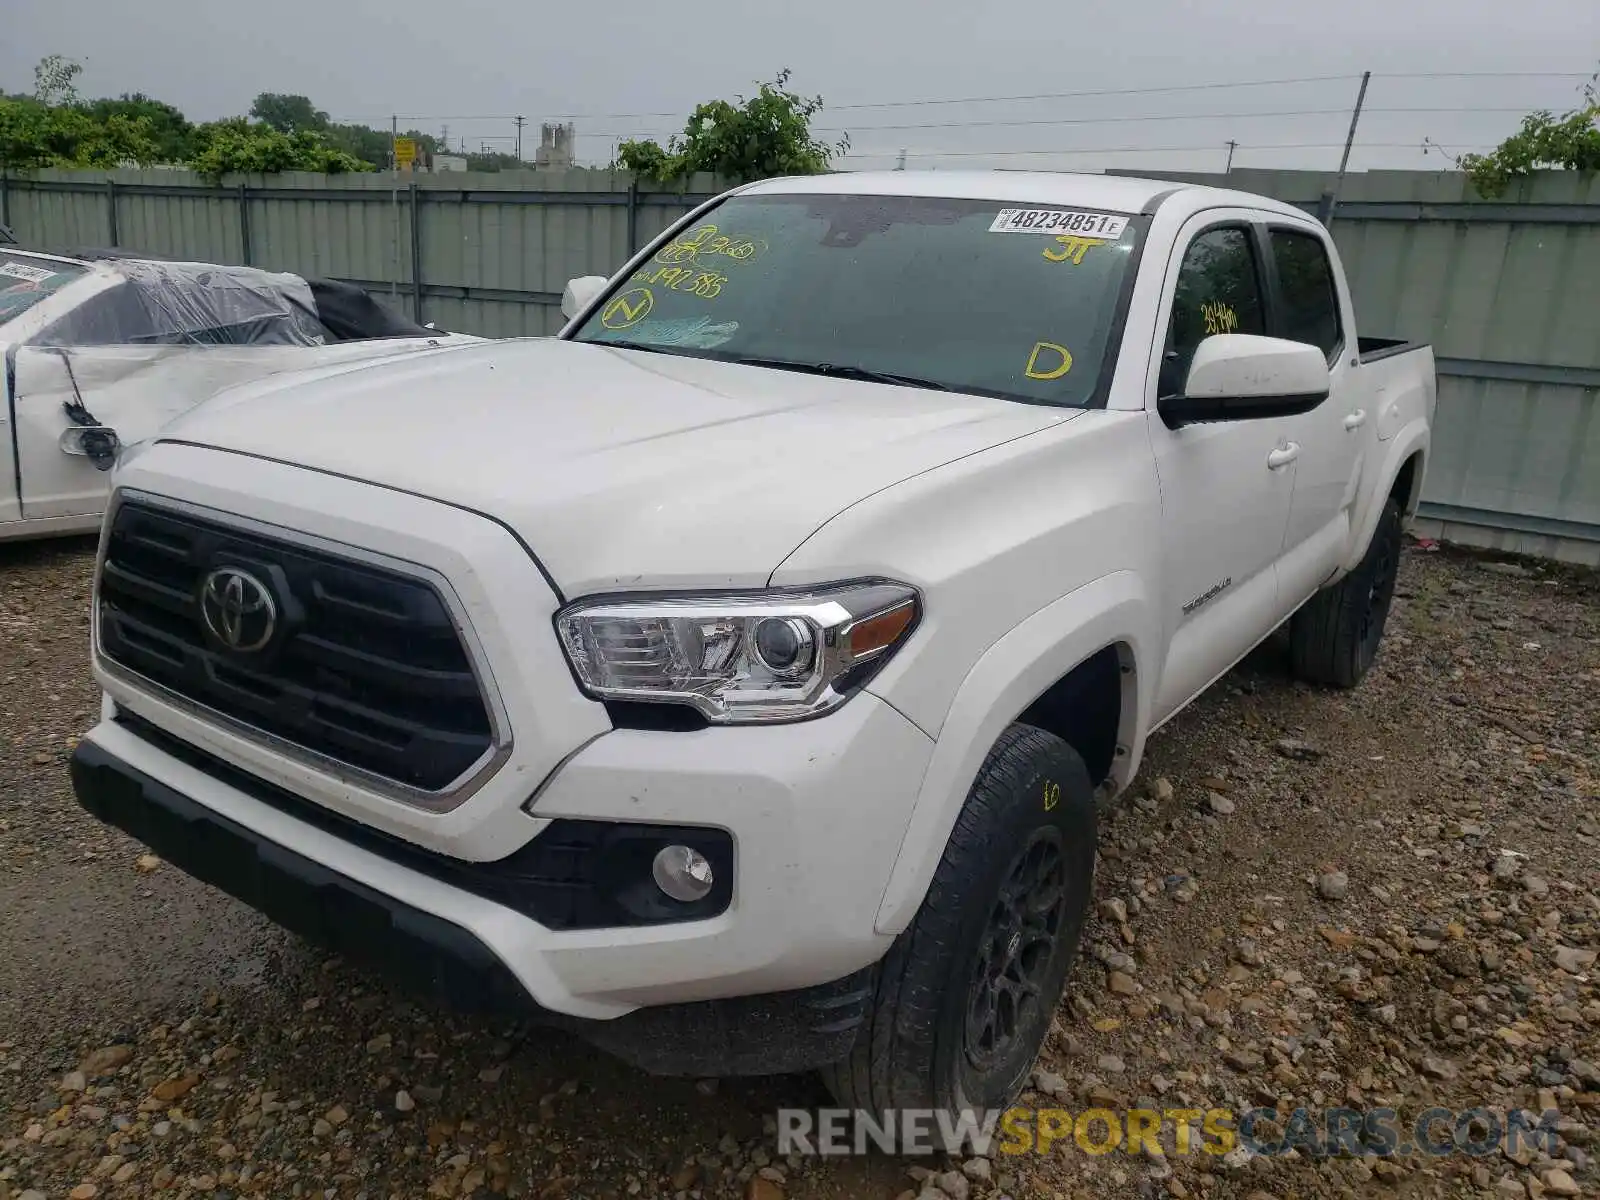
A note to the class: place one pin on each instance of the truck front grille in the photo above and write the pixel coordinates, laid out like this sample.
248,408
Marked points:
354,662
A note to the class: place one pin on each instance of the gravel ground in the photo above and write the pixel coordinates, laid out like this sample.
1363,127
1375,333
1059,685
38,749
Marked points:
1383,898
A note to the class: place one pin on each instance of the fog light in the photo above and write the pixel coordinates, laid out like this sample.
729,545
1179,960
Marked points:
683,873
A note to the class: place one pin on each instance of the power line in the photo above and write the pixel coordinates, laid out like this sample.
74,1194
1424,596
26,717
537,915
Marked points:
1072,95
1118,120
1138,91
1242,146
1482,74
1232,116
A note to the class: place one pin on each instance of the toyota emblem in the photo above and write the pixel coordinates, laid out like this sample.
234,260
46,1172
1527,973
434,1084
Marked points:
238,609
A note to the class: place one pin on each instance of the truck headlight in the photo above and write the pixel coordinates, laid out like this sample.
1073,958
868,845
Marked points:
739,657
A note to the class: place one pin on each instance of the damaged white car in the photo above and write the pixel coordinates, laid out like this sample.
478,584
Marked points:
101,351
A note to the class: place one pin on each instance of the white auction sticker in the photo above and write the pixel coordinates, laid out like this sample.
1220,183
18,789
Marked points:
23,271
1057,220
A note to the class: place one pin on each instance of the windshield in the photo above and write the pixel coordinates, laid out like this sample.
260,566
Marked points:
26,280
979,296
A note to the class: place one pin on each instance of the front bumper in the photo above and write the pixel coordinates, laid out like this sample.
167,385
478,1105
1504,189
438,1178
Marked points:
815,811
786,1032
427,953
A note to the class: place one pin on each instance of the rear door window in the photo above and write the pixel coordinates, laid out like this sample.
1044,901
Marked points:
1305,281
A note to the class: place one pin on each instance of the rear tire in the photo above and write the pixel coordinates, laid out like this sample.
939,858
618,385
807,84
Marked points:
965,996
1334,637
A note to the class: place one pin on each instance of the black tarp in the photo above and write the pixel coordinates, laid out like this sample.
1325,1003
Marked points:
352,314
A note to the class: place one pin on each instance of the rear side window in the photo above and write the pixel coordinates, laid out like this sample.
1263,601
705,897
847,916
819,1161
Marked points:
1218,291
1305,279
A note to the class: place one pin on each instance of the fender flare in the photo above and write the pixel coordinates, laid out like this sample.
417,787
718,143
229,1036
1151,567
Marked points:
1408,441
1010,675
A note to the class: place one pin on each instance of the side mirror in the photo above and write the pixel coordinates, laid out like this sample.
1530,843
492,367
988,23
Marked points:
1243,377
98,443
579,292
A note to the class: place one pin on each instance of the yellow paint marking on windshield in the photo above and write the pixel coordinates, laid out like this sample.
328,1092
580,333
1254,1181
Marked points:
705,284
708,285
707,240
628,309
1034,370
1073,248
1219,317
685,248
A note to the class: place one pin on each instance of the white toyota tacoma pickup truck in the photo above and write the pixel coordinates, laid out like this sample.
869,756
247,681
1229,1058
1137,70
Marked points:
733,677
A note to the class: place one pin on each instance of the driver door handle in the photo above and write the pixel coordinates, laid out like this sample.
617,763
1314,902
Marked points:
1283,456
1356,419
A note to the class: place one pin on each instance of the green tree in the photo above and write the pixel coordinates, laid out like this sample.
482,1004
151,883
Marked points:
39,135
756,138
168,127
375,146
55,80
493,160
288,113
1545,141
238,146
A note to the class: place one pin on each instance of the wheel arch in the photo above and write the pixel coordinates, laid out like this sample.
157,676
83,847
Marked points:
1404,465
1407,485
1062,668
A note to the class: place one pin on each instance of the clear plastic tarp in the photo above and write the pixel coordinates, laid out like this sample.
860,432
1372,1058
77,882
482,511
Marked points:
179,303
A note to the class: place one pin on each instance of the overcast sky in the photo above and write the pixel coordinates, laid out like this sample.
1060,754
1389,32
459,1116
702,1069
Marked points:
472,65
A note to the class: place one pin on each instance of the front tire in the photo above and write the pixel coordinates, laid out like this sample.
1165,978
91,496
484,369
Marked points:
1334,637
965,996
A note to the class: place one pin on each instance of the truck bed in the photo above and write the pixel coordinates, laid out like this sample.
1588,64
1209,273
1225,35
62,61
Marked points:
1373,349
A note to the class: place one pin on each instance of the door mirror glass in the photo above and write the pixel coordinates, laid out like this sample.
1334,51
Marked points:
579,292
1240,376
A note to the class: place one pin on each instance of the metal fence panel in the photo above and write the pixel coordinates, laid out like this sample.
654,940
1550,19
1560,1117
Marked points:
1507,291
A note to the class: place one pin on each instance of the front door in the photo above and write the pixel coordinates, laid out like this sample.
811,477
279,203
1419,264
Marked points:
122,387
1226,486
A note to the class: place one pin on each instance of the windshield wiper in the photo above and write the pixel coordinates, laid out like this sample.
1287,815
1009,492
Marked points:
832,370
835,371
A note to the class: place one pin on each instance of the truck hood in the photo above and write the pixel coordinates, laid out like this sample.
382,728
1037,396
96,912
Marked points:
621,469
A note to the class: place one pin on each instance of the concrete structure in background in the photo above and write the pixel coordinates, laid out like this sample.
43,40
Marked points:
448,162
1507,291
556,144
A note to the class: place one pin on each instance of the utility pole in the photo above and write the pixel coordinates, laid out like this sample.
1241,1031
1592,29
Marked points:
1232,146
394,174
520,121
1349,141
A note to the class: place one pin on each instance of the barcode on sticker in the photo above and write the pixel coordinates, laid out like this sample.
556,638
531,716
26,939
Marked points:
1058,220
23,271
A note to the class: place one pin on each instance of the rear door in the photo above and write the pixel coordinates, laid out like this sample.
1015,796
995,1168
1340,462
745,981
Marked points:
1307,307
1226,486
